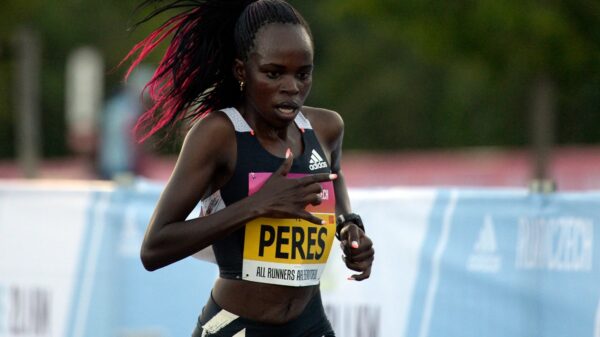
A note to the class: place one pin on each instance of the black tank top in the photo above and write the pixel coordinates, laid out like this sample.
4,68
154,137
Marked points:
279,251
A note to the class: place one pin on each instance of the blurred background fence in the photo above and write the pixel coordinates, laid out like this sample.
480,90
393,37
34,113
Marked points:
405,75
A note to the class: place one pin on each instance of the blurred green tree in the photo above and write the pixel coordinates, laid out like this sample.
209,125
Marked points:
63,26
462,73
404,74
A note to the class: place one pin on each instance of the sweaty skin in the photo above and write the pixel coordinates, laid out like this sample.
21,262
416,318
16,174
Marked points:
279,69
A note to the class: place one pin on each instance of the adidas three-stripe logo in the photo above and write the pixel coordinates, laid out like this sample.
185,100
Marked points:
316,161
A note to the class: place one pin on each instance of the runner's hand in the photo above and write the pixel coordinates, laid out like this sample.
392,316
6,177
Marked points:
358,251
282,197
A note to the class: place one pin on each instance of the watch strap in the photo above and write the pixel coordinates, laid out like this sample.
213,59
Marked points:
343,219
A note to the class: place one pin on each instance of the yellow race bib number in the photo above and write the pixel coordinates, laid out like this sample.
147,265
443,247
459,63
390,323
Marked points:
290,252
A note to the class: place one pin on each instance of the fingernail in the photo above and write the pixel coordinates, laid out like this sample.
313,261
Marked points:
333,176
350,278
354,244
323,222
288,153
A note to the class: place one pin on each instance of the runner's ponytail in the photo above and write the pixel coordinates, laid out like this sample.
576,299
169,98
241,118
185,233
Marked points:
195,75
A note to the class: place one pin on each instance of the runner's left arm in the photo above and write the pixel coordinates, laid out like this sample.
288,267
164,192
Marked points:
356,245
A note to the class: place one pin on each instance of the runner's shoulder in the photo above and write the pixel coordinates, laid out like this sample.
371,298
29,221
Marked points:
213,134
214,124
325,121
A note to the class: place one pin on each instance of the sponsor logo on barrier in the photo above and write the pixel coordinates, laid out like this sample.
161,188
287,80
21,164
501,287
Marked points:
484,257
560,244
354,320
24,311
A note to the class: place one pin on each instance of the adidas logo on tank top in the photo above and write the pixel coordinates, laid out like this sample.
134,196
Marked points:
316,161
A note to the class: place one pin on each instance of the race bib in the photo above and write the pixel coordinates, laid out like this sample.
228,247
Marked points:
290,252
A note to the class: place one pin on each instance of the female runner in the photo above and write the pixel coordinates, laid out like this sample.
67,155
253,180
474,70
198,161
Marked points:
265,167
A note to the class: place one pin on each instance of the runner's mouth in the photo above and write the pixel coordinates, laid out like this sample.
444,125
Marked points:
287,108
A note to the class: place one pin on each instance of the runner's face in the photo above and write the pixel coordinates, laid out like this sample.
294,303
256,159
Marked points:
278,72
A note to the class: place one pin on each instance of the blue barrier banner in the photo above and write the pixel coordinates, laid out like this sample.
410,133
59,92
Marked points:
70,265
449,262
509,264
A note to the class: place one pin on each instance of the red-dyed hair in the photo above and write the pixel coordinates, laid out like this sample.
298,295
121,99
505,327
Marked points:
195,75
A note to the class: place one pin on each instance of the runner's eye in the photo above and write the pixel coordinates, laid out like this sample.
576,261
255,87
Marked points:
273,74
304,76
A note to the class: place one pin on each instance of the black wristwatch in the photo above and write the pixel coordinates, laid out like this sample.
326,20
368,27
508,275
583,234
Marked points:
343,219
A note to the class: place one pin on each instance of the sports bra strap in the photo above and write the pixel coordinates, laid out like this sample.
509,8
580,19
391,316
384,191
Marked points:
240,124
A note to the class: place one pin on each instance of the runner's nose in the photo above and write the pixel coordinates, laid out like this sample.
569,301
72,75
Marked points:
290,85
